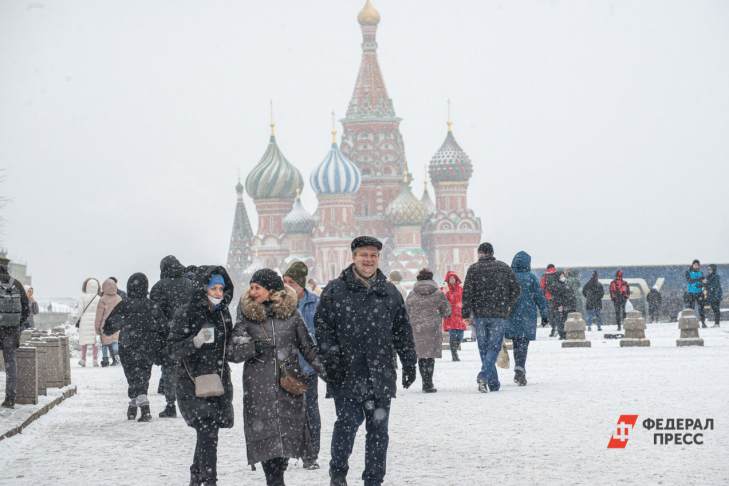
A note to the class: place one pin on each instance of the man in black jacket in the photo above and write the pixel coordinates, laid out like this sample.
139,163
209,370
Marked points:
14,311
593,292
654,304
171,293
361,320
489,294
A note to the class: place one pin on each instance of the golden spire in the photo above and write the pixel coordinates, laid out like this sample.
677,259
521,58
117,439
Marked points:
273,123
368,15
450,121
334,128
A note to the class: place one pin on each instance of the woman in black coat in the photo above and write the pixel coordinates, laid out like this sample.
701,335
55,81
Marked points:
197,342
564,302
140,341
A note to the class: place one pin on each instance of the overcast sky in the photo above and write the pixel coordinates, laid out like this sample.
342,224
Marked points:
599,130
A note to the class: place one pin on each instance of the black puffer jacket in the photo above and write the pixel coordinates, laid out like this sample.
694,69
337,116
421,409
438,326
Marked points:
210,358
593,292
490,289
358,329
172,292
143,328
563,296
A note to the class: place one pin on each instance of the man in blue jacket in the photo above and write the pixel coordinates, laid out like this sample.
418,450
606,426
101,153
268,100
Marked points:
295,277
695,289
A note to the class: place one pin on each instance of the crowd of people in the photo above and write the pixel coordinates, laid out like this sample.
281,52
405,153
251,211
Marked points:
289,334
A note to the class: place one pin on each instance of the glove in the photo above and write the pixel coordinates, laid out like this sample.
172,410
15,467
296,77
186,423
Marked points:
408,376
262,345
202,335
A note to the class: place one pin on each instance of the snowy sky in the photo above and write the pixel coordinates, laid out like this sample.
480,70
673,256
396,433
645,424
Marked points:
599,130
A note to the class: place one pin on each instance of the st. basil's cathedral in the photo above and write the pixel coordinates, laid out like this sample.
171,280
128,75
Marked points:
363,186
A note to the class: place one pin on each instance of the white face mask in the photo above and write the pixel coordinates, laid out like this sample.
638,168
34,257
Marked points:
562,278
214,301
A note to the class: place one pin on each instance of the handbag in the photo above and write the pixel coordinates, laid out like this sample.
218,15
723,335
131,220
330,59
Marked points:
78,321
290,376
211,384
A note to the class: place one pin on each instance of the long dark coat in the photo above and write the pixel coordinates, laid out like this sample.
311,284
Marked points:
274,421
359,328
173,291
210,358
427,306
142,328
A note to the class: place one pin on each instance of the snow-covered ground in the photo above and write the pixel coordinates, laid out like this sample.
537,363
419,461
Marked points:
554,431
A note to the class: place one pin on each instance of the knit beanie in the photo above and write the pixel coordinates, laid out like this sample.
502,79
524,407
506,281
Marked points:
298,272
268,279
216,279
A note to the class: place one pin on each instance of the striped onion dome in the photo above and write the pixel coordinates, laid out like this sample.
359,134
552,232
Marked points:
298,220
336,174
406,209
274,177
450,162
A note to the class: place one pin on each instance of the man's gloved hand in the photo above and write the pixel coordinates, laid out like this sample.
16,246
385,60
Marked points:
202,335
262,345
408,376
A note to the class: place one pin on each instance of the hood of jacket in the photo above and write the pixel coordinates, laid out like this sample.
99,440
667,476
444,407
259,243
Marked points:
619,275
452,274
283,304
712,267
522,262
200,286
137,286
90,286
425,287
109,287
170,267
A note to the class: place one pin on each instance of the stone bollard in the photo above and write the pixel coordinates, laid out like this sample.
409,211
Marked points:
25,336
688,323
27,389
634,326
575,327
43,364
56,355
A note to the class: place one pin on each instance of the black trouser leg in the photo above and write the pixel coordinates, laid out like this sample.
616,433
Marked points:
205,462
619,313
716,309
423,368
274,470
10,342
313,419
169,374
521,347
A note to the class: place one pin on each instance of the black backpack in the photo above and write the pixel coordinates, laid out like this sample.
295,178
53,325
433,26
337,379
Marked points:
11,307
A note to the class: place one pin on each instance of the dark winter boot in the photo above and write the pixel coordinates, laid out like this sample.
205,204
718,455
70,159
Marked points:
146,416
8,403
703,324
131,412
161,387
482,386
104,362
169,412
338,481
454,350
195,479
520,378
114,358
428,386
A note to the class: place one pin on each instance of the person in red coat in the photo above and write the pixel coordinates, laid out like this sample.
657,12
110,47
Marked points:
455,325
619,294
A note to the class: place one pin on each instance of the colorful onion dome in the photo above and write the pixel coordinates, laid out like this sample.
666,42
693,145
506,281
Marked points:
450,162
298,220
336,174
406,209
274,177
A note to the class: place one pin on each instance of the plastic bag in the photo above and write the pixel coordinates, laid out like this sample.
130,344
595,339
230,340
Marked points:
502,361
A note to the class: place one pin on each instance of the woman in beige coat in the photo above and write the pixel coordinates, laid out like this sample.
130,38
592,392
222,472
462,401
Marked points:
109,299
86,319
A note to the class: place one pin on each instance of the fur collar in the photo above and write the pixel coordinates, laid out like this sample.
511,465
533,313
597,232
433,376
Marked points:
283,305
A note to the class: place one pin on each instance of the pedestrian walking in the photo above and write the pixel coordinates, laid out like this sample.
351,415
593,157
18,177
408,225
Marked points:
522,325
695,290
86,321
573,282
314,287
109,344
171,294
564,302
14,311
427,307
549,280
269,335
654,299
295,277
360,322
593,292
714,293
490,292
33,309
619,294
142,331
454,324
197,343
